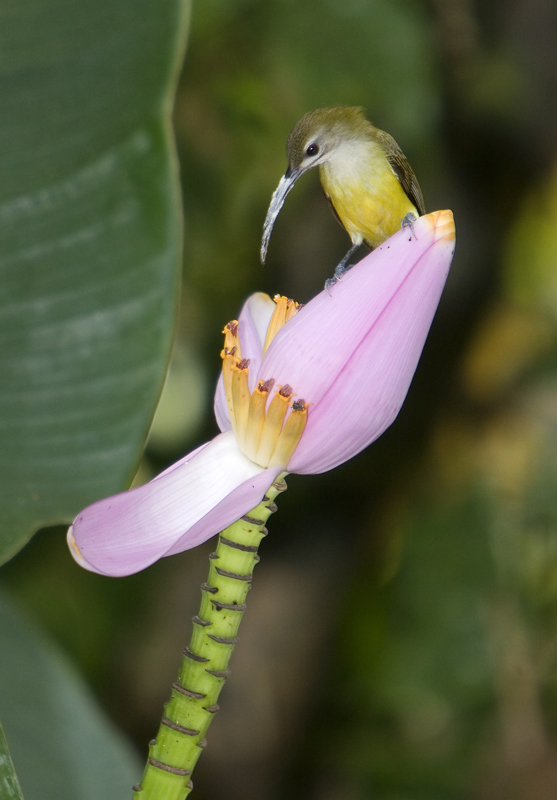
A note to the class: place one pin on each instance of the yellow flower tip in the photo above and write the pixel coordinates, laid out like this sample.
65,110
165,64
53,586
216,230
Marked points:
443,223
75,551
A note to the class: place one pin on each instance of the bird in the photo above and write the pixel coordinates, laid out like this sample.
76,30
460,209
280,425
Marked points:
364,174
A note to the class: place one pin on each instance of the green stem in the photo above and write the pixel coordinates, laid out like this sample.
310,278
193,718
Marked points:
193,704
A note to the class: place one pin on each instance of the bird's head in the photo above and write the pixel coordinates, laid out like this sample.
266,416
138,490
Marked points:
313,141
320,134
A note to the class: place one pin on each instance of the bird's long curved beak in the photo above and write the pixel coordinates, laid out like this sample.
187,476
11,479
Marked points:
277,200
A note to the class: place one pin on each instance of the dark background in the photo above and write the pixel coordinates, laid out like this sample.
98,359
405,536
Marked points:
400,641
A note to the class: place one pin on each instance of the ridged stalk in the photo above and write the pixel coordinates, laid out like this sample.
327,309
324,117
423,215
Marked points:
193,704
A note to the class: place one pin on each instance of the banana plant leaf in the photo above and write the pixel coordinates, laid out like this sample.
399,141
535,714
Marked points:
62,744
90,247
9,784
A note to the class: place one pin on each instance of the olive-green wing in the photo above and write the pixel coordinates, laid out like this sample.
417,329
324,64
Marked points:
333,209
402,169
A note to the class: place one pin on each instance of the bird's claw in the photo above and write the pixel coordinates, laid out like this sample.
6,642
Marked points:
408,222
341,268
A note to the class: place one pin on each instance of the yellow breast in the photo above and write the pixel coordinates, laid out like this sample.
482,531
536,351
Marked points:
365,193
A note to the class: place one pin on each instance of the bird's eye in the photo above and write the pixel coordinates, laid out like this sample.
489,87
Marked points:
312,149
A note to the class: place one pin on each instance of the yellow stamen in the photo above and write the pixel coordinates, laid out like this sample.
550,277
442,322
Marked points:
284,310
231,354
262,435
228,362
240,400
290,434
231,338
292,307
273,425
256,418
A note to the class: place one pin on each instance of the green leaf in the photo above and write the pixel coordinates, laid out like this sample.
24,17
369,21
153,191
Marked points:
9,784
90,239
62,746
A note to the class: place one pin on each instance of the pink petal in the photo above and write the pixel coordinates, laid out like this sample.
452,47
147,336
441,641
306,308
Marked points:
221,407
253,322
312,349
186,505
244,498
353,353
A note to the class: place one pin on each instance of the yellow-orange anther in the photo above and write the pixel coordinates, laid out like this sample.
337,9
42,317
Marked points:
231,338
259,426
231,355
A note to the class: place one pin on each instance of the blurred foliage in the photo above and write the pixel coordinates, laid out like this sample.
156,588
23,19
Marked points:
8,777
400,640
90,250
90,246
58,736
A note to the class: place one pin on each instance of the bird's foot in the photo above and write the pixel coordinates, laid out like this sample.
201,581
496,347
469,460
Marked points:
408,222
341,268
